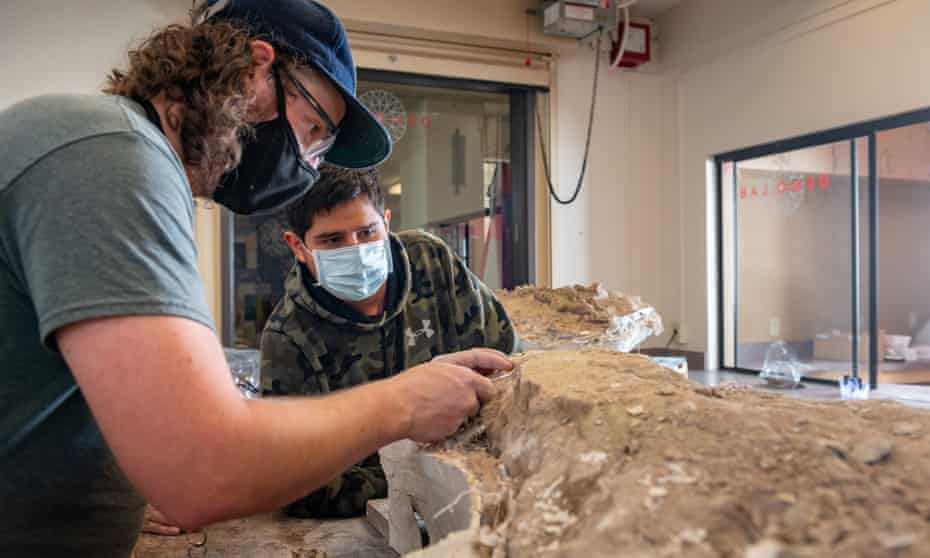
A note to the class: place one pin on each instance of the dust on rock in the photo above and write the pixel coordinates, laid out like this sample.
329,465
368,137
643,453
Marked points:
575,316
727,472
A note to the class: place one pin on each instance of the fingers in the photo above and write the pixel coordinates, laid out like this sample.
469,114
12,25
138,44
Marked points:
153,514
160,529
479,359
473,409
444,393
481,387
484,389
157,524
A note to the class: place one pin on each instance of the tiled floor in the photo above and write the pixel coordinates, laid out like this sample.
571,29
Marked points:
915,396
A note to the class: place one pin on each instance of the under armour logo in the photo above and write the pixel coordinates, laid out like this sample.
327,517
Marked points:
413,335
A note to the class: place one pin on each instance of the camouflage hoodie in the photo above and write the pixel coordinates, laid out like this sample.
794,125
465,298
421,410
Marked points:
312,345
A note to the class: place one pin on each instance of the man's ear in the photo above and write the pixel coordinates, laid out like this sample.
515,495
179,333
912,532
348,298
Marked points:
174,115
296,245
263,58
259,83
387,220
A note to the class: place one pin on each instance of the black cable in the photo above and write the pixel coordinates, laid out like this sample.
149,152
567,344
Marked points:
492,190
587,145
672,338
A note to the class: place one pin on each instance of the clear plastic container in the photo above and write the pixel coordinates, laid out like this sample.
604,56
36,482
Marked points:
781,369
246,371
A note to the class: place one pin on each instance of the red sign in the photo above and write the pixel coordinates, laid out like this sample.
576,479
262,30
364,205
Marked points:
765,189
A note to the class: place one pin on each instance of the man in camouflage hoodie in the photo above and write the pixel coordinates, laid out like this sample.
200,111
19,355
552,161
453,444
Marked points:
316,342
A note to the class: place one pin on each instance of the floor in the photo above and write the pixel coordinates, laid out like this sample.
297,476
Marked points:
890,372
914,396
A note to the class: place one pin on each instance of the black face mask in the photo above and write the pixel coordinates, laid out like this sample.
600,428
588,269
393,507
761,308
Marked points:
272,172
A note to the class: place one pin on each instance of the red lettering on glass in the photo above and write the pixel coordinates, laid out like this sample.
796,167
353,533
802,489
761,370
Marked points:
749,190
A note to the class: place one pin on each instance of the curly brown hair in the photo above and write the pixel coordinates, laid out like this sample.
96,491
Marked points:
200,66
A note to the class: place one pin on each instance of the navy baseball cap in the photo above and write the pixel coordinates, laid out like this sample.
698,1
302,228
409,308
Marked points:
310,31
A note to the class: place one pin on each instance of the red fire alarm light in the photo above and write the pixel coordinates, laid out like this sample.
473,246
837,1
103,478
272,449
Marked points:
638,48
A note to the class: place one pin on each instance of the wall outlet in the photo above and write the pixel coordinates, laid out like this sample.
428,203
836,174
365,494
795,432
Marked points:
775,327
912,321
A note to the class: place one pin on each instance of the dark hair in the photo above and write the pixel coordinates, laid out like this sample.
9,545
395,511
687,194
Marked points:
337,186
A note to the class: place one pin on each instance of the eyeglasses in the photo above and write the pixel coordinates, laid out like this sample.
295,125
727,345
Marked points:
319,147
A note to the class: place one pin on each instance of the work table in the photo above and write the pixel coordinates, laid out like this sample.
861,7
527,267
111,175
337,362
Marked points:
274,536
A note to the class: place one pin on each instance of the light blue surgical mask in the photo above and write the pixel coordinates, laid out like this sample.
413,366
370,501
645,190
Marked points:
354,273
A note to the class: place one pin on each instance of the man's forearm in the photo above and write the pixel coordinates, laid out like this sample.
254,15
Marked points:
312,440
161,392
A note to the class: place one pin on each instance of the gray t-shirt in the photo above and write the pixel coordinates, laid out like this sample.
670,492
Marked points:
96,220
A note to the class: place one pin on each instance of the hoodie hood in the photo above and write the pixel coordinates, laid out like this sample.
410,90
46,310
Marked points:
296,289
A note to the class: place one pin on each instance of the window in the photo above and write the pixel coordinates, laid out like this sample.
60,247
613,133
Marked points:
819,251
449,173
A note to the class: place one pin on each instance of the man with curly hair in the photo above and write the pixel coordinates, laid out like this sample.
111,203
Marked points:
114,389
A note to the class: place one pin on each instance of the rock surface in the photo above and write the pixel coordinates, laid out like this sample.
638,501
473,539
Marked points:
570,317
597,453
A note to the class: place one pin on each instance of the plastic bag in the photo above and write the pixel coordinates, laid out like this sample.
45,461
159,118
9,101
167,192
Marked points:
246,372
781,368
627,333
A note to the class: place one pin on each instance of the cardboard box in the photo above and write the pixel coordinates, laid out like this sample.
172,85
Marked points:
838,346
